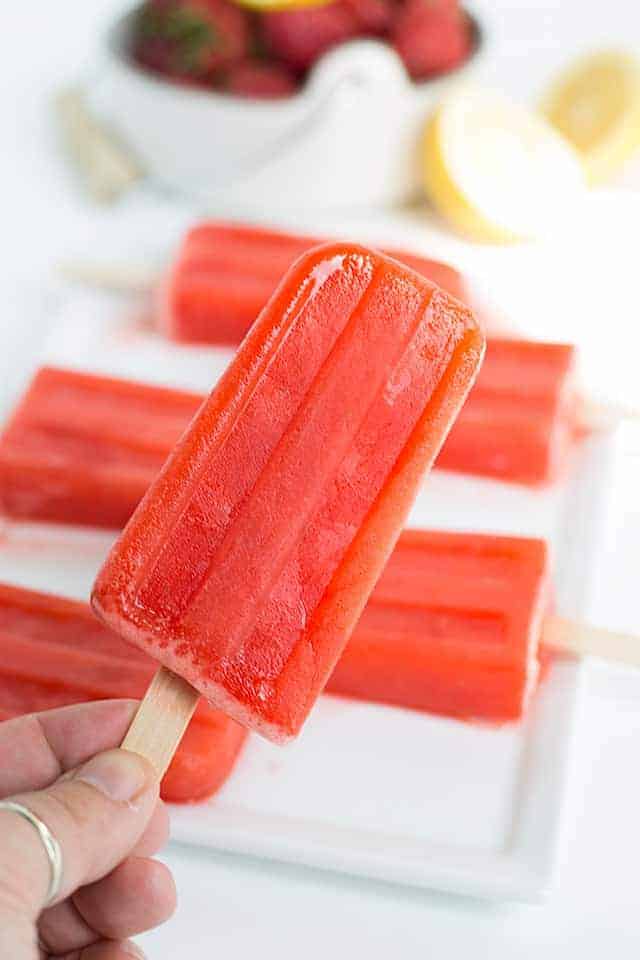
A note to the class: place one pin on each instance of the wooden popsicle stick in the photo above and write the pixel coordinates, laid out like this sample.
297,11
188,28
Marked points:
598,415
161,720
108,167
114,277
579,640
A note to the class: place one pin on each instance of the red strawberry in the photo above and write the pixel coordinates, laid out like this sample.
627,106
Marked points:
255,78
431,36
374,16
299,37
154,53
158,55
200,36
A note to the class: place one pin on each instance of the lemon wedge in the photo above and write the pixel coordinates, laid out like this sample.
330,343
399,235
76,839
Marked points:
269,6
595,104
497,171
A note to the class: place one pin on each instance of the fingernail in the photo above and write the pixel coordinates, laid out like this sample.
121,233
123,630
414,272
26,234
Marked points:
119,774
132,950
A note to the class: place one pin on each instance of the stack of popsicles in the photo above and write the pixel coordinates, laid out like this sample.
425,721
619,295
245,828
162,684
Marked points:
453,627
522,417
84,449
247,565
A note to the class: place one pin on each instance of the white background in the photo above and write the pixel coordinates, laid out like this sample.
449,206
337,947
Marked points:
580,285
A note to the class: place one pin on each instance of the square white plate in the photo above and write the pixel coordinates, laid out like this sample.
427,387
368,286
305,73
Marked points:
369,790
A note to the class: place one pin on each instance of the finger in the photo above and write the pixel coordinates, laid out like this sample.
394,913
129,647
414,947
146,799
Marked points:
17,937
97,817
36,749
63,929
108,950
156,833
136,896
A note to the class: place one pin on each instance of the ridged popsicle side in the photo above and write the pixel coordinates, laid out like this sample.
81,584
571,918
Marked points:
83,449
453,627
520,421
224,274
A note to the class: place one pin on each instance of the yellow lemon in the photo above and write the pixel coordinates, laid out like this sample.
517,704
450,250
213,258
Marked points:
497,171
595,104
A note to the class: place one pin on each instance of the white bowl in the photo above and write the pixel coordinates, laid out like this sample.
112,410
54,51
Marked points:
349,138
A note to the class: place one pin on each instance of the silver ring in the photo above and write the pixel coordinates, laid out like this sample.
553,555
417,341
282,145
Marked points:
49,842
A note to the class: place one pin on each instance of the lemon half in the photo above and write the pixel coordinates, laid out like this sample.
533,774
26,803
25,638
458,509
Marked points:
595,104
497,171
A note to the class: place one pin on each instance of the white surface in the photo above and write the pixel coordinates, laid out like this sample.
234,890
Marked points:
236,909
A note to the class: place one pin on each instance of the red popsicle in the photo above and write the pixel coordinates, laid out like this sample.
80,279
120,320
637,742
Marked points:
521,420
84,449
453,627
55,653
224,274
249,561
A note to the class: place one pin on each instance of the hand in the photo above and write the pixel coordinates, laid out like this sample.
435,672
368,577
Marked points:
104,811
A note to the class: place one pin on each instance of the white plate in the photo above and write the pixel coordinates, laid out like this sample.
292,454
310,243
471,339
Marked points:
370,790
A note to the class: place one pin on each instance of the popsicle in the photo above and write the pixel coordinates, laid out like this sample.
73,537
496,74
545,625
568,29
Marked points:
452,627
461,624
523,415
55,653
457,625
83,449
251,557
224,274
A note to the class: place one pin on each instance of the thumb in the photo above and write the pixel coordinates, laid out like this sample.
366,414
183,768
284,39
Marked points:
97,814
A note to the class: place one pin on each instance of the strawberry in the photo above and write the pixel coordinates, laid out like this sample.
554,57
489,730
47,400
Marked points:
154,53
299,37
256,78
431,36
374,16
197,37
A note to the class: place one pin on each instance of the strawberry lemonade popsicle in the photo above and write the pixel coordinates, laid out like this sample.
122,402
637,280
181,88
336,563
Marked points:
248,563
453,627
522,418
55,653
224,274
84,449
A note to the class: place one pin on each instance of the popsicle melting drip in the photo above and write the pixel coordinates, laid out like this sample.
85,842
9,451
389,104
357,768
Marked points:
248,562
